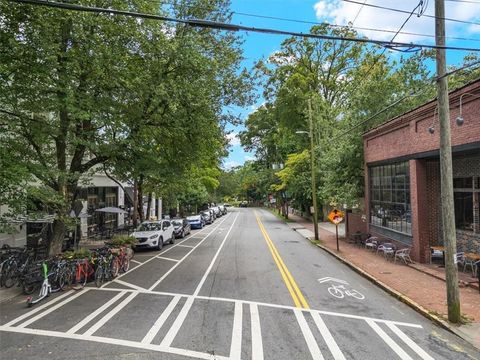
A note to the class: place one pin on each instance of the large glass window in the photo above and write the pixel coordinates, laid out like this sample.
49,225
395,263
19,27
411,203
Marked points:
390,197
466,194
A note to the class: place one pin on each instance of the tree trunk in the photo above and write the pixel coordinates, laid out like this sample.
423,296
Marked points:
55,246
149,205
140,199
135,205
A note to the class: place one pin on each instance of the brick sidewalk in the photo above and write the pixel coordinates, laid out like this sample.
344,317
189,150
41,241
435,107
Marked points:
426,290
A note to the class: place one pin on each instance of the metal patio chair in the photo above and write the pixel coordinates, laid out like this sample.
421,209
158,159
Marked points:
371,243
403,254
388,249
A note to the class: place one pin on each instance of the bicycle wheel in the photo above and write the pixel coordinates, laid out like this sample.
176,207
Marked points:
29,288
58,280
336,292
115,267
355,294
10,277
125,263
99,276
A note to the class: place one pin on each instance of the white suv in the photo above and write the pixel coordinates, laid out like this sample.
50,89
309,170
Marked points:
153,234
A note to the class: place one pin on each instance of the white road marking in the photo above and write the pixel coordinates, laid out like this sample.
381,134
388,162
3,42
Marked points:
167,258
199,287
327,336
112,341
38,309
180,261
389,341
97,312
412,344
257,343
327,279
187,246
133,286
110,314
398,310
152,258
276,306
135,261
307,334
160,321
236,345
172,332
53,308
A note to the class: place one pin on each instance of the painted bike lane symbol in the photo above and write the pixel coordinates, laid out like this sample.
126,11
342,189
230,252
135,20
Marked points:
340,290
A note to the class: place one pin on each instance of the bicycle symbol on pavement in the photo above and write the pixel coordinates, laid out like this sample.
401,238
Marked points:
340,291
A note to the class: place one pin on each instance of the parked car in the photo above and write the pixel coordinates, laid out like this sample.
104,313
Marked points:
243,204
212,212
218,213
223,209
195,221
154,234
181,227
207,216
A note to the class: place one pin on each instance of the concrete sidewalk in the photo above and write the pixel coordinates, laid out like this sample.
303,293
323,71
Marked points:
418,286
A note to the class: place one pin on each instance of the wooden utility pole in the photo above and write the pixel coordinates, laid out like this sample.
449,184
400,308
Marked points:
447,204
312,164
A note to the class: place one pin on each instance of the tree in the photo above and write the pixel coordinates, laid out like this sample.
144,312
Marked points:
144,98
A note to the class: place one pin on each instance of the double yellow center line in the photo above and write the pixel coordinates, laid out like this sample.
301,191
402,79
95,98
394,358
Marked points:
292,286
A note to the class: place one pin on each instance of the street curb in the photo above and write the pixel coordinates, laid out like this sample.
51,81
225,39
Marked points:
406,300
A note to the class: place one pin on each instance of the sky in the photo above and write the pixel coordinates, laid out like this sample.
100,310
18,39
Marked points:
422,29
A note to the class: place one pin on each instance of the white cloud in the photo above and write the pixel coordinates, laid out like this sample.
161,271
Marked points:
230,164
340,12
250,158
233,139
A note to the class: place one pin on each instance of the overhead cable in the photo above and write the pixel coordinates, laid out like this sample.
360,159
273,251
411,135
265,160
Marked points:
408,12
234,27
415,93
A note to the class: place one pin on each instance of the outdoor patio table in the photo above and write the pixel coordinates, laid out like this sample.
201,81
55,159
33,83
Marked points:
475,259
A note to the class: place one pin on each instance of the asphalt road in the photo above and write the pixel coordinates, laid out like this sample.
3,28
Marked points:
245,287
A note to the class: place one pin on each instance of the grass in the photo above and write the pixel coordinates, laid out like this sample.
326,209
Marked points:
464,319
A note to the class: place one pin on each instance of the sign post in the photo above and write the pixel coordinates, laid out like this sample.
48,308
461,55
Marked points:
336,217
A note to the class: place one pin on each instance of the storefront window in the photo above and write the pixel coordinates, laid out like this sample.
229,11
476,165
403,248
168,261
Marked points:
390,197
466,194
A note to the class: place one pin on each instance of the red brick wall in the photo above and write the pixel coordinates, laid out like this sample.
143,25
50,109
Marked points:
355,223
408,134
420,208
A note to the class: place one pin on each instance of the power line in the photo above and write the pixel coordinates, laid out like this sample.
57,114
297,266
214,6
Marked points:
465,1
346,26
408,12
358,12
379,56
415,93
234,27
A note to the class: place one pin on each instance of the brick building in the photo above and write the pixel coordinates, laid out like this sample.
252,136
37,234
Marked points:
402,175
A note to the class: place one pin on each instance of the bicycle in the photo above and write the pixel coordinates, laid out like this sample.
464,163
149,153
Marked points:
339,291
46,288
107,267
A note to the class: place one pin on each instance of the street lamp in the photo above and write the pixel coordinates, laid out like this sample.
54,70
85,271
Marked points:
312,166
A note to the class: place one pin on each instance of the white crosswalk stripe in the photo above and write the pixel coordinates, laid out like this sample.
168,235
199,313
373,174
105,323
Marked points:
235,350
